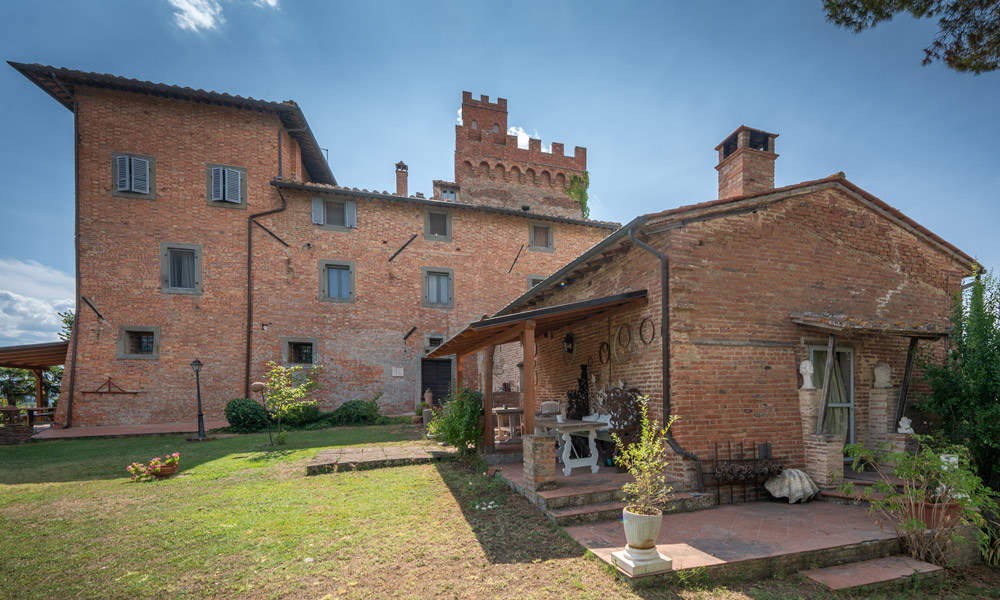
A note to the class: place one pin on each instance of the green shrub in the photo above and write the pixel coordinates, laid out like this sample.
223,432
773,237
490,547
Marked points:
457,423
246,416
356,412
299,415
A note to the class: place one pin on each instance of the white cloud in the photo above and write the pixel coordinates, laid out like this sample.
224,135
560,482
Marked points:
30,296
267,3
523,136
196,15
459,115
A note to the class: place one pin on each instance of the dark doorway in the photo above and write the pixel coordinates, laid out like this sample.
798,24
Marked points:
436,375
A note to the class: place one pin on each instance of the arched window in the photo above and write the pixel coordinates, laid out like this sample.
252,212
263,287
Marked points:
474,124
496,128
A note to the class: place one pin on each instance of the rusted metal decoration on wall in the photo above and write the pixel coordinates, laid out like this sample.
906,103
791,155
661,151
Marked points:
620,344
604,353
642,331
626,413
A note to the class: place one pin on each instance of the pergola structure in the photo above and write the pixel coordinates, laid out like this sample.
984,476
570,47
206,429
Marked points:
525,327
35,358
834,324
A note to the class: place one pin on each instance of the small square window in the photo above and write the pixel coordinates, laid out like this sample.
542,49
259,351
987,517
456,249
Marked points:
336,281
300,353
534,280
133,175
540,237
180,268
449,195
335,215
437,225
439,287
138,342
434,342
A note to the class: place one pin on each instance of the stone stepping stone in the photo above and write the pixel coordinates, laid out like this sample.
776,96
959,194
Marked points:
372,457
873,573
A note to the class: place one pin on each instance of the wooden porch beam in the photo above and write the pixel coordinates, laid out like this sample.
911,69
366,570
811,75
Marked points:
831,357
904,386
488,438
39,393
528,349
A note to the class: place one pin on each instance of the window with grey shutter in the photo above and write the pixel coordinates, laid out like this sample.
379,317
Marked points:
180,268
336,281
121,173
218,175
540,237
233,181
438,287
334,213
351,213
140,175
317,211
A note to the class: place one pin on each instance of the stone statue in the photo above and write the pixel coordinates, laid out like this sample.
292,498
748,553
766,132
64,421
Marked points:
806,369
883,376
905,426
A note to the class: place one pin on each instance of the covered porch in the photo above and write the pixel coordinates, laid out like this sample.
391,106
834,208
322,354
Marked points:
36,358
525,328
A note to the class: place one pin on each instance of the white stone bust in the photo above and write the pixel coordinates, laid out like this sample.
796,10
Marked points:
904,426
806,369
883,376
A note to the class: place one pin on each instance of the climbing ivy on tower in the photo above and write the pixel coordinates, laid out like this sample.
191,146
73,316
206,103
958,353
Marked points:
577,190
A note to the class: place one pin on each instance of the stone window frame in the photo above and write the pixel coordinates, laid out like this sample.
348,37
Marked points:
165,248
221,203
127,194
849,349
425,279
427,224
427,341
551,247
324,264
123,337
350,213
540,279
286,346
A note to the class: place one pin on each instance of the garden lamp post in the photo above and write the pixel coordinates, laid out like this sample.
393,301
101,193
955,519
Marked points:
196,367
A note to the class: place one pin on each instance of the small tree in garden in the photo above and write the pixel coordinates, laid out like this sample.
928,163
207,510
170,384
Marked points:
646,461
288,389
966,383
457,423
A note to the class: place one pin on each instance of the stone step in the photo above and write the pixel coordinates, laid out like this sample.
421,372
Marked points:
612,510
878,572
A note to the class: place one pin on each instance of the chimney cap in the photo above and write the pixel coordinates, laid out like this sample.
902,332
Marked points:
736,133
401,166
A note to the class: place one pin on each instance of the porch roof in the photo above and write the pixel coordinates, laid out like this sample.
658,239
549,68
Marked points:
507,328
34,356
837,323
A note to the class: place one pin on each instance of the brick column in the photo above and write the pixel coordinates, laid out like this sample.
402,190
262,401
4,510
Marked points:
824,452
881,412
17,433
539,462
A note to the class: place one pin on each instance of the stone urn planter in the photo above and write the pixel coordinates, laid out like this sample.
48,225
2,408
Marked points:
641,530
428,415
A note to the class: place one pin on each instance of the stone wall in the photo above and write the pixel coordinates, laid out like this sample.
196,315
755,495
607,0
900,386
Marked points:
11,433
539,462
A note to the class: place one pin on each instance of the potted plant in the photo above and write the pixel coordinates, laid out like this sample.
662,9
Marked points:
646,460
929,494
158,467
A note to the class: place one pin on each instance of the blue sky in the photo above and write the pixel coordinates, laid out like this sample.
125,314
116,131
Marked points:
648,88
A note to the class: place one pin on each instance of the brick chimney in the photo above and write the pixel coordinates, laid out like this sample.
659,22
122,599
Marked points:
401,175
746,162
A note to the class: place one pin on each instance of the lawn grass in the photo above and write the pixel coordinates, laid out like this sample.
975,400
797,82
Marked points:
241,520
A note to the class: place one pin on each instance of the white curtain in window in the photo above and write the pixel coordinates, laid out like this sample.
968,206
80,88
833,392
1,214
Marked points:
338,282
182,269
438,290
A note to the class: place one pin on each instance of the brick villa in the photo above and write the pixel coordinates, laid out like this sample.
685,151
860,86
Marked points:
210,226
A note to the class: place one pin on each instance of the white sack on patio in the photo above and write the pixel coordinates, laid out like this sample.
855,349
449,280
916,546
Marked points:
792,484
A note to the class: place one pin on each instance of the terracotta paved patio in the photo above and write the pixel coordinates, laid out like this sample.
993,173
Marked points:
734,533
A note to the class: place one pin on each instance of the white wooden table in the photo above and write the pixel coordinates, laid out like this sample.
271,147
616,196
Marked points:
564,432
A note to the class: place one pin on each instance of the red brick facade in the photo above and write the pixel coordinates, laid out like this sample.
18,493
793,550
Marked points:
737,272
372,343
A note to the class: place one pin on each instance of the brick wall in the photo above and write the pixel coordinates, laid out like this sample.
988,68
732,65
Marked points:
359,343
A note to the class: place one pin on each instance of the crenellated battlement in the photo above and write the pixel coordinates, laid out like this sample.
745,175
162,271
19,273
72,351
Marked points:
488,159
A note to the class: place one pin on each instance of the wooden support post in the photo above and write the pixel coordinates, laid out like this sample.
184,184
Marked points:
488,437
528,347
904,386
831,357
458,373
39,393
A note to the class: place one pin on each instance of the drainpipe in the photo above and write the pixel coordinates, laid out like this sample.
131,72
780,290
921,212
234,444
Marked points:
250,221
75,334
665,341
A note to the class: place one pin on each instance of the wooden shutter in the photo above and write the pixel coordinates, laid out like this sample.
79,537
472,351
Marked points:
217,177
531,236
121,172
140,175
233,185
317,212
350,213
